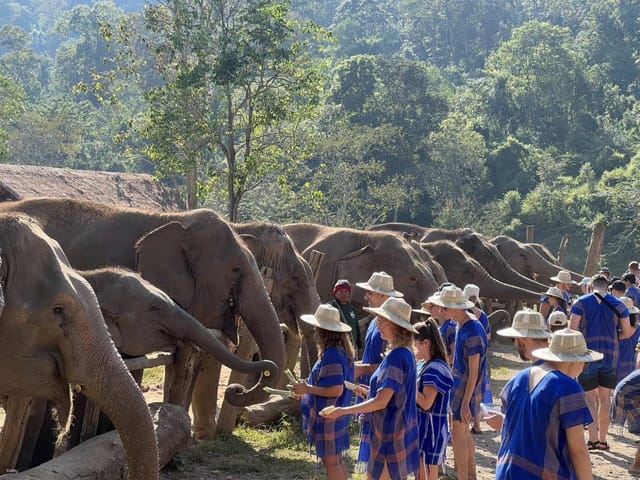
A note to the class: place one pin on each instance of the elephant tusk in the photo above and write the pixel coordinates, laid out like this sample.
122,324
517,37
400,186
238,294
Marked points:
77,388
266,373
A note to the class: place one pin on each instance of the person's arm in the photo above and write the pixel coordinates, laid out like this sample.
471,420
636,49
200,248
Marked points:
578,452
365,368
495,420
575,321
426,399
544,309
332,391
380,401
474,368
625,327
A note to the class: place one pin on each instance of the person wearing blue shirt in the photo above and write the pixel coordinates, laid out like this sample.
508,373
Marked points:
325,387
545,411
600,317
391,403
470,357
378,289
633,292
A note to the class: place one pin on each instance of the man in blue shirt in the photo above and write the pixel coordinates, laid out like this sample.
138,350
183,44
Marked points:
599,316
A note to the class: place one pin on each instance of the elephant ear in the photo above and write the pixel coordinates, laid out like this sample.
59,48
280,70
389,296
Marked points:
162,260
252,243
357,264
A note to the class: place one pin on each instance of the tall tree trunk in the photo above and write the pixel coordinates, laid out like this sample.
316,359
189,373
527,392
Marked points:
595,248
192,186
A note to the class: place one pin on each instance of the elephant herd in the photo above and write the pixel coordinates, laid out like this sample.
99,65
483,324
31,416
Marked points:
83,283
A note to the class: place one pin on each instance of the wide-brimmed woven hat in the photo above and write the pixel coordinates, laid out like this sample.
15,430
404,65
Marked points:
563,276
629,304
585,281
451,297
380,282
326,317
471,291
558,319
554,292
395,310
425,308
526,324
567,346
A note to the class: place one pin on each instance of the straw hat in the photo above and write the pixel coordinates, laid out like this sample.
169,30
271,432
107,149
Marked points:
554,292
563,276
567,346
380,282
425,308
629,304
526,324
451,297
471,291
558,319
326,317
395,310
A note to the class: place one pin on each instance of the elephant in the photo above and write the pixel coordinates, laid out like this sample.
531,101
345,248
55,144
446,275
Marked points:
409,229
355,254
527,259
462,269
200,262
293,290
142,319
53,336
487,255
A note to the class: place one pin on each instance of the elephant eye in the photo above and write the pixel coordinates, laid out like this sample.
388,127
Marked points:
58,310
154,308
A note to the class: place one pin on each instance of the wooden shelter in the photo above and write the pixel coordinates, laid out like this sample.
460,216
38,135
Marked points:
19,182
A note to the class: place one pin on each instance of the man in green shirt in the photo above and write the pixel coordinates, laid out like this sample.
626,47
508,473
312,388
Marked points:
342,301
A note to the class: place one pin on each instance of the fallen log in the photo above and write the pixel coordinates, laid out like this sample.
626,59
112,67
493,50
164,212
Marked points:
270,411
102,457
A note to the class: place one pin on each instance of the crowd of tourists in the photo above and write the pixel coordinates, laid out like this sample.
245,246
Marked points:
414,387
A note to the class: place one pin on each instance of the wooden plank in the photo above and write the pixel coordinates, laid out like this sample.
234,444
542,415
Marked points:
140,363
15,426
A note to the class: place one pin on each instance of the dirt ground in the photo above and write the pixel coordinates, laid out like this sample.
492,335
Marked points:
612,464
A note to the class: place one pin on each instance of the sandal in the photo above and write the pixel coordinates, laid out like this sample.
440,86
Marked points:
602,445
592,445
476,431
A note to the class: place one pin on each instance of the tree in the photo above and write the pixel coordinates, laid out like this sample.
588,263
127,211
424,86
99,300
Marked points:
237,85
11,108
457,167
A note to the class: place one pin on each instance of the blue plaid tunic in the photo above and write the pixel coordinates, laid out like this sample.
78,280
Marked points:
432,423
534,442
448,334
471,339
599,325
374,347
394,429
330,437
627,360
626,399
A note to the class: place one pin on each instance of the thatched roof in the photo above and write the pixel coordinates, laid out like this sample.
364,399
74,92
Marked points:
18,182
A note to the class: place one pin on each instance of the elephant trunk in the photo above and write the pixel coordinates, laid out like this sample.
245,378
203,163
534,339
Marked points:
260,317
113,389
187,328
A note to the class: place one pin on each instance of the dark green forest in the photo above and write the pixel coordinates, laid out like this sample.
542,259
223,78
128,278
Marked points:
489,114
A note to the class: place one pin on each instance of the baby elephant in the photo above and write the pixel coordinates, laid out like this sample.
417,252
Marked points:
142,318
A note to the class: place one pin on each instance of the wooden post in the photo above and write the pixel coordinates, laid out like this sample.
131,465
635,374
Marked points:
562,251
529,233
595,249
15,426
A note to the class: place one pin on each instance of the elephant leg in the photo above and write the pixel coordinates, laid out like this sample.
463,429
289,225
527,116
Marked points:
205,398
179,377
292,344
